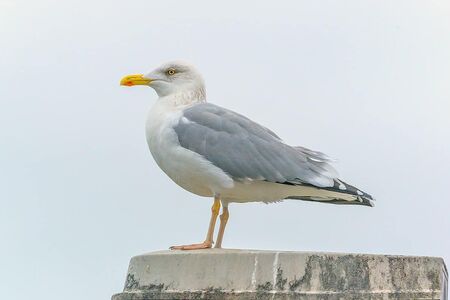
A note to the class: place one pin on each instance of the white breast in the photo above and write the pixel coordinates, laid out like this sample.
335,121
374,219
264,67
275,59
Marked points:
186,168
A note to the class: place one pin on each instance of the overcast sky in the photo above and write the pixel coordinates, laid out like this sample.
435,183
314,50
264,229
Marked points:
367,82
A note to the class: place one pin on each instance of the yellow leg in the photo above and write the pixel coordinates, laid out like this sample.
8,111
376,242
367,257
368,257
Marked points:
209,236
223,222
212,222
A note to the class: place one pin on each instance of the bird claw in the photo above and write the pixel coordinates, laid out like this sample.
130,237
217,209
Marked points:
204,245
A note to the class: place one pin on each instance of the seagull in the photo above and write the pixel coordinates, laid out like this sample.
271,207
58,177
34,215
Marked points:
214,152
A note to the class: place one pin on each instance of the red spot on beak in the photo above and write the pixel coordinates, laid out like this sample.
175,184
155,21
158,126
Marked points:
129,83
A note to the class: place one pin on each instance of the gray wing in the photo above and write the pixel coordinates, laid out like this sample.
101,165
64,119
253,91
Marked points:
246,150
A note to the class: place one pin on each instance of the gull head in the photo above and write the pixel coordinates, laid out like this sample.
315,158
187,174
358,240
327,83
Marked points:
170,78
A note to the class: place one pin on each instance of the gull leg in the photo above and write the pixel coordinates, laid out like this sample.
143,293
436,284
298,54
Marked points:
223,222
212,222
209,236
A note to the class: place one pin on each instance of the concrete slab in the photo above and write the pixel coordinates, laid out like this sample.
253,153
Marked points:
254,274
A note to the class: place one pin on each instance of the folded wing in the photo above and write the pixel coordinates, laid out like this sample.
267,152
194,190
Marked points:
246,150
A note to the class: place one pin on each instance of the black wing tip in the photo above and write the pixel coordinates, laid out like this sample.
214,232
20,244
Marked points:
343,187
359,201
367,201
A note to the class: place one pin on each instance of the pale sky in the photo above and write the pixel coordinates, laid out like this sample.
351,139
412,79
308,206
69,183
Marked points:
367,82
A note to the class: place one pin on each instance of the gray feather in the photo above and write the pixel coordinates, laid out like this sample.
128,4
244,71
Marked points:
246,150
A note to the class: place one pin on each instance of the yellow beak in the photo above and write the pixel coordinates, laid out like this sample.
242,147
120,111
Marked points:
136,79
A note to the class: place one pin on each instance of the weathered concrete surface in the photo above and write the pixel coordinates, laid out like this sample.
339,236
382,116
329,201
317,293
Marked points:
250,274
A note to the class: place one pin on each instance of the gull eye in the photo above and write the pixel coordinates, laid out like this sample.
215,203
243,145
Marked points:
171,71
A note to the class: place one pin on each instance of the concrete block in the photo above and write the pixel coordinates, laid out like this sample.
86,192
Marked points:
252,274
